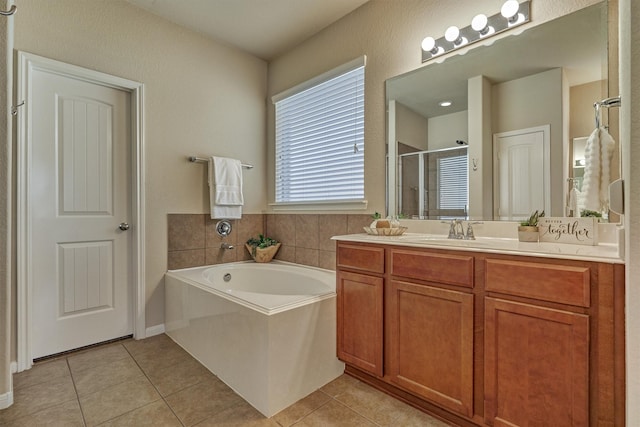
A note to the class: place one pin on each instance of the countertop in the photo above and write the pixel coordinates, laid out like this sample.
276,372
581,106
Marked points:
603,252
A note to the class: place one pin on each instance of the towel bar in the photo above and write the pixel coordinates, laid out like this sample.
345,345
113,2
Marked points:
195,159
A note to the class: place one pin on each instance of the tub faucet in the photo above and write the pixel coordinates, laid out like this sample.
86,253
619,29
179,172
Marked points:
225,245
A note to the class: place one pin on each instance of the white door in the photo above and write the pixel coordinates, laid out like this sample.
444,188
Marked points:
79,178
520,161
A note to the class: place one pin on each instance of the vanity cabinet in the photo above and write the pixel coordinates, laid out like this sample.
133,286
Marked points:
431,343
485,339
536,365
360,307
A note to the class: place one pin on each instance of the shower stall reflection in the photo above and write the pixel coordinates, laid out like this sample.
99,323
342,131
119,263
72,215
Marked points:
434,184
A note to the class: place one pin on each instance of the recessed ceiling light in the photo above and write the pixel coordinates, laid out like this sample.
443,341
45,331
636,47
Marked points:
445,103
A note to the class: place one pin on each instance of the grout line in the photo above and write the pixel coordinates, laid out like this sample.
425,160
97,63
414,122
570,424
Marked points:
154,387
73,381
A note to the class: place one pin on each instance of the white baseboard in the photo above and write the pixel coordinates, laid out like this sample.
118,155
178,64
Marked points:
6,400
155,330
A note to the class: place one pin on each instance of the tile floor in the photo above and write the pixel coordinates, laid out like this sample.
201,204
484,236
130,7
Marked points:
154,382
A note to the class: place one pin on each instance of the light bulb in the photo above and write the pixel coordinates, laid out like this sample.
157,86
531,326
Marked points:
429,44
480,23
452,34
510,10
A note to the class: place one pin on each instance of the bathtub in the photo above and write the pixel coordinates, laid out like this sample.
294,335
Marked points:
267,330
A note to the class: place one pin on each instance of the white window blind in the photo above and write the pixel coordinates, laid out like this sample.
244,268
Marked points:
320,141
453,182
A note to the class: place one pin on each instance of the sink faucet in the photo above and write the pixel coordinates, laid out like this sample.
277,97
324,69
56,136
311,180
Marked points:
456,229
225,245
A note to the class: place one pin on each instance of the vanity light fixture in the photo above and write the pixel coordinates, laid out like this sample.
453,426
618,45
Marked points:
482,26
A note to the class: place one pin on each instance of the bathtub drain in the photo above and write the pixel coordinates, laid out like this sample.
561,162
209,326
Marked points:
227,277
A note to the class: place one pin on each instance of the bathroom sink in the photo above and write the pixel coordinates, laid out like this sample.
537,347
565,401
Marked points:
442,240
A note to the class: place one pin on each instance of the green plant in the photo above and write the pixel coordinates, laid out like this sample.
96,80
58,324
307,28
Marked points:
587,212
260,242
533,219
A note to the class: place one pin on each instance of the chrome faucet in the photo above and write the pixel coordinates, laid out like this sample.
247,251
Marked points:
456,229
225,245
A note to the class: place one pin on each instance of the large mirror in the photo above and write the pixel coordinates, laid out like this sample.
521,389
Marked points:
503,145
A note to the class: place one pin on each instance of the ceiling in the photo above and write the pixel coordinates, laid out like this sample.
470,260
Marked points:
264,28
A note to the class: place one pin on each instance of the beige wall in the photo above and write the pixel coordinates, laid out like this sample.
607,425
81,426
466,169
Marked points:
446,129
201,98
411,127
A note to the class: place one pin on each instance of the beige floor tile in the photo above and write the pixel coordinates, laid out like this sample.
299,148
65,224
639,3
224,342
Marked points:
241,415
301,408
97,378
155,414
153,361
372,404
411,417
203,400
340,385
116,400
334,414
66,414
97,357
41,373
153,344
29,400
171,379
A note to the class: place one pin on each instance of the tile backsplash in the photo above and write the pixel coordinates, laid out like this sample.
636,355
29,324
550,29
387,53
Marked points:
306,238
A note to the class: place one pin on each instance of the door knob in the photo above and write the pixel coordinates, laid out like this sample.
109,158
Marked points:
123,226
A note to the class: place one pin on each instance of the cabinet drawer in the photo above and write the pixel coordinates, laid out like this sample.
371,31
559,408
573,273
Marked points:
433,267
547,282
364,258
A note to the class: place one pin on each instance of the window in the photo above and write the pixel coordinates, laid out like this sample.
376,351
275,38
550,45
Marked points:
320,138
453,182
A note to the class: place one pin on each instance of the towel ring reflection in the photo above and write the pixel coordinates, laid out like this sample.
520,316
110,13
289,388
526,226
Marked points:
616,101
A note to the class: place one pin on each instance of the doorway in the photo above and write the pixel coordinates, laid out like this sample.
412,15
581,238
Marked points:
521,160
80,205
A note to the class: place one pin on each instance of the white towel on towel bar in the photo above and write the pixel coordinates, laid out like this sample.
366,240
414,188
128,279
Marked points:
225,188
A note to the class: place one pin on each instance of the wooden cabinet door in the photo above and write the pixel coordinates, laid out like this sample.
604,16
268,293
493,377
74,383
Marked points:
536,365
431,344
360,310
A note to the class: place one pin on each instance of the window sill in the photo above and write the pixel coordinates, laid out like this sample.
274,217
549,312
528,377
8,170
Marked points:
329,205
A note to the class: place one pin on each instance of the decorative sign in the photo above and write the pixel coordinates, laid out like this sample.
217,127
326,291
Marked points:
575,231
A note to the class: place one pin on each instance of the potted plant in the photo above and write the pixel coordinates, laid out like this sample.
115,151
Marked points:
528,229
261,248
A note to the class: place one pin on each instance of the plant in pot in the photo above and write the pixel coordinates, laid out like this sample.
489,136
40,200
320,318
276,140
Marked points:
528,229
261,248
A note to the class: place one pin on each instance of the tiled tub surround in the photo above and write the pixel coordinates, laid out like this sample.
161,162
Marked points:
306,238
